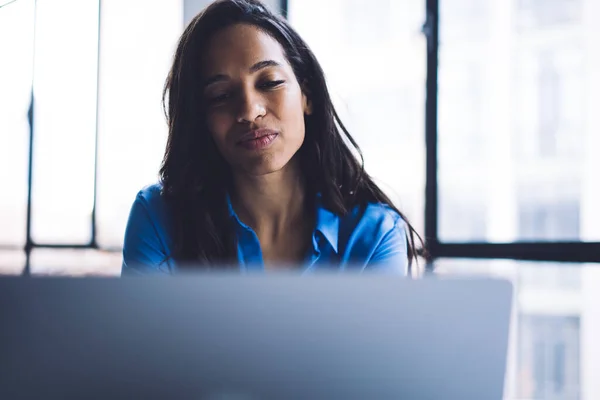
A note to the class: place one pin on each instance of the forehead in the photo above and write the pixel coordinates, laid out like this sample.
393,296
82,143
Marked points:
238,47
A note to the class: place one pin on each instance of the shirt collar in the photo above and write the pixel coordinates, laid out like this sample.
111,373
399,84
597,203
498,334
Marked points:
230,209
232,214
328,223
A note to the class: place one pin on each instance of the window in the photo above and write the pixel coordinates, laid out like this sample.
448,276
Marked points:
99,129
550,221
365,26
536,14
549,105
373,55
549,356
516,130
16,71
512,94
65,92
132,131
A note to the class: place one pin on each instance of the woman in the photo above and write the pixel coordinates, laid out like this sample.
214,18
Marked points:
257,173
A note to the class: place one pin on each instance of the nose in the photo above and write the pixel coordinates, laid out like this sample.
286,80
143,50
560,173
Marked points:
251,107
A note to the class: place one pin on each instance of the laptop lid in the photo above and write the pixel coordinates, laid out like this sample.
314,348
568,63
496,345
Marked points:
253,337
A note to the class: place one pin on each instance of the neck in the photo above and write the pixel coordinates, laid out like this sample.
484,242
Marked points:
271,203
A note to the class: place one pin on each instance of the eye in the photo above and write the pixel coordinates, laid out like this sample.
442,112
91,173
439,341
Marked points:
271,84
218,98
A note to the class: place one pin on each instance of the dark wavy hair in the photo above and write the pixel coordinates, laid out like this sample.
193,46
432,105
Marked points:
196,178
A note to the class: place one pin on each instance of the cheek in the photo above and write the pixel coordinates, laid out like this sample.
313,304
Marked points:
218,124
293,115
299,127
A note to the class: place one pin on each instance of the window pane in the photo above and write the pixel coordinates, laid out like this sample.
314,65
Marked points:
65,78
12,262
374,57
75,262
554,350
549,353
518,85
138,39
16,55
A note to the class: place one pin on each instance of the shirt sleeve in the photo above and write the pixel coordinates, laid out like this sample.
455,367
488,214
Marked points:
391,254
143,251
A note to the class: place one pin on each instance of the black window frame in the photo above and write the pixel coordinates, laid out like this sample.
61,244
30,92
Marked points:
559,251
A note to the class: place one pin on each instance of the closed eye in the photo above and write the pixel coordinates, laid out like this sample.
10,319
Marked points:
271,84
218,98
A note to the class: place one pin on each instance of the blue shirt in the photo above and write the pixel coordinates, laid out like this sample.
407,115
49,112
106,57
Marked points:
371,238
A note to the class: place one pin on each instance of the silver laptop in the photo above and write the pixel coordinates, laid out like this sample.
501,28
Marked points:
253,337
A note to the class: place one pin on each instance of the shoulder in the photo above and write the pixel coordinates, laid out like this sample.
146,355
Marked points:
368,225
149,205
383,214
150,194
373,236
150,199
147,243
375,217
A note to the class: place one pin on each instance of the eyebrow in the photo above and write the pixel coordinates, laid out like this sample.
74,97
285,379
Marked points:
264,64
255,68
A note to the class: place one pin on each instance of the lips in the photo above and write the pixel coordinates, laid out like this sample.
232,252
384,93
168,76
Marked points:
258,139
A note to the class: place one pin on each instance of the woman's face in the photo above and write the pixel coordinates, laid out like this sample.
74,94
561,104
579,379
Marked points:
254,105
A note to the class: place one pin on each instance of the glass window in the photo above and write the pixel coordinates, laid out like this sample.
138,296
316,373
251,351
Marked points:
517,128
374,58
535,14
16,55
133,65
553,347
65,88
549,356
132,131
12,262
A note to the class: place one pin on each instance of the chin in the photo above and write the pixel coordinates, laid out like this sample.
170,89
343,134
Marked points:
265,166
263,170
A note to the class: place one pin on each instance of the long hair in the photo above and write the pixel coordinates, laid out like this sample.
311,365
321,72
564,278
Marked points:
194,175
